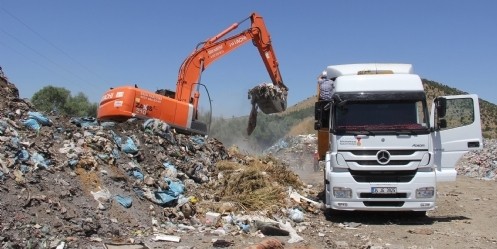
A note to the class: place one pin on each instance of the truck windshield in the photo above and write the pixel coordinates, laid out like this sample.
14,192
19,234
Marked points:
381,117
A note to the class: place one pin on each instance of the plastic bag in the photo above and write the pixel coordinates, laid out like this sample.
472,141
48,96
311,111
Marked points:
125,201
40,118
296,215
129,147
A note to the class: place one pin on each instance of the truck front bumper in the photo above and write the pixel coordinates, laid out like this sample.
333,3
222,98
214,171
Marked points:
362,197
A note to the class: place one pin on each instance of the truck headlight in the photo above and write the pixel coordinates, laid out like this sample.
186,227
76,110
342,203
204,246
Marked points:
340,192
426,192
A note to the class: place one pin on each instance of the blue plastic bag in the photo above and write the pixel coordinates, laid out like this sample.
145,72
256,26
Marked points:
129,147
39,160
125,201
198,139
32,124
176,188
136,173
116,138
22,155
164,197
40,118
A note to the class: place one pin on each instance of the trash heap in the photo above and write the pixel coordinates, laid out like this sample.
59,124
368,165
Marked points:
76,182
480,164
267,90
296,151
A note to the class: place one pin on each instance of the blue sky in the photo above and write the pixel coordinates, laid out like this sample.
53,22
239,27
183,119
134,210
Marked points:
89,46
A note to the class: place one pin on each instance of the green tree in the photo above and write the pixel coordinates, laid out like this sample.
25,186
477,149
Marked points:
59,100
77,105
93,110
51,99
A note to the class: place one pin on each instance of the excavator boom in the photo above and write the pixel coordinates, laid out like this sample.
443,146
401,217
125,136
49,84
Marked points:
179,109
213,49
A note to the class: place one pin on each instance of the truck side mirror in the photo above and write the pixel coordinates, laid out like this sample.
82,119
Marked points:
318,111
321,114
441,105
318,114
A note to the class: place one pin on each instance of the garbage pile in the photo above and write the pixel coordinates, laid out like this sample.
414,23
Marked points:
72,183
296,151
480,164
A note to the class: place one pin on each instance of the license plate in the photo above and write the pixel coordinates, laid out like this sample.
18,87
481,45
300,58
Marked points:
383,190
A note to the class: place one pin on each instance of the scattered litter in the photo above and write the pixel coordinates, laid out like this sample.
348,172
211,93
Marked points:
163,237
296,215
211,218
269,228
294,237
103,195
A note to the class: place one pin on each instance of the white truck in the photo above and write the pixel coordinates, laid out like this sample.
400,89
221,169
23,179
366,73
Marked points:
382,149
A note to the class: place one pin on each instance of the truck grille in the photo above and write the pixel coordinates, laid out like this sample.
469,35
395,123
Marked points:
383,176
389,157
392,162
373,152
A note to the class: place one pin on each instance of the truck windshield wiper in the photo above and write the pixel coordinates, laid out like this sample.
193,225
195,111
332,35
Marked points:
405,132
362,132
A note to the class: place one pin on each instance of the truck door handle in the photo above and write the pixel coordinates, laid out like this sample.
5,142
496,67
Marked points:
473,144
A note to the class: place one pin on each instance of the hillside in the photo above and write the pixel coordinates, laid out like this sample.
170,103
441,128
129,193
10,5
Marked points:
299,119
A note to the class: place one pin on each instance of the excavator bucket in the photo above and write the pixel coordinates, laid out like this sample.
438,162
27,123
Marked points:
269,98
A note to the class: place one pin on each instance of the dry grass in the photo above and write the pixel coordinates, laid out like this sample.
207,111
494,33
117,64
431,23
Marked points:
260,184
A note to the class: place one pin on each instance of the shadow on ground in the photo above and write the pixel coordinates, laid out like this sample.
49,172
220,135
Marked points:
387,217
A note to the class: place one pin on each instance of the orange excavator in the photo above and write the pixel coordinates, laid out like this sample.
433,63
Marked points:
180,109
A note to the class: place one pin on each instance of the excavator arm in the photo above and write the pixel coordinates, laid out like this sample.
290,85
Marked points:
214,48
180,109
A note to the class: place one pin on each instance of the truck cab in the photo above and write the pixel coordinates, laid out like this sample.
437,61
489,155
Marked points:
382,149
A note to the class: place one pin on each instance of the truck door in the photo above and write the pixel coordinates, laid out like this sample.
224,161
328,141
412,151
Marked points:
456,120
